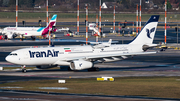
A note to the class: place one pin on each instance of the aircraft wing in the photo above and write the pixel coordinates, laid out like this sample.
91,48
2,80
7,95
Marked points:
62,29
97,57
96,43
14,32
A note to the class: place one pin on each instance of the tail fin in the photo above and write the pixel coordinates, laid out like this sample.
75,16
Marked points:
52,22
147,33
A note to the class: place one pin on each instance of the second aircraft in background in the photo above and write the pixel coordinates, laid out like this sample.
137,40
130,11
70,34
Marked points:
13,32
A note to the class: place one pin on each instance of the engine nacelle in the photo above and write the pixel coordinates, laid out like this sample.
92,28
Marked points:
80,65
45,66
145,47
11,35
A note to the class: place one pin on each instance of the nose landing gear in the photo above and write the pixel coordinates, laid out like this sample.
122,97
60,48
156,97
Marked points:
23,69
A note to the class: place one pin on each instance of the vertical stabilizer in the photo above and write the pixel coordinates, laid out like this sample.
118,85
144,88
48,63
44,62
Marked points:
52,22
147,33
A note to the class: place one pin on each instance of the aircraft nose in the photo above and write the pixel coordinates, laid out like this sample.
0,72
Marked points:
7,58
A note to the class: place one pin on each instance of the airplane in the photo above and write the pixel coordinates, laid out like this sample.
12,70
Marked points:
13,32
84,57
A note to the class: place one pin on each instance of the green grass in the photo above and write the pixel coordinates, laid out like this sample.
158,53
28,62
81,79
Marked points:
72,17
165,87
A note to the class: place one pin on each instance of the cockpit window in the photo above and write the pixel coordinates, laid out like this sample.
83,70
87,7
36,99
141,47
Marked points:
14,54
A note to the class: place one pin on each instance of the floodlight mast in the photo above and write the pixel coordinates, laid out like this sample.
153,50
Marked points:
47,12
137,19
140,16
16,13
165,21
78,17
114,30
99,16
86,24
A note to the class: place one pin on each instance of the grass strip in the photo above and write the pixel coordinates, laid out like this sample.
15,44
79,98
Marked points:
164,87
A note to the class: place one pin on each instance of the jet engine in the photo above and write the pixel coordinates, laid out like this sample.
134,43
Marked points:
145,47
80,65
45,66
11,35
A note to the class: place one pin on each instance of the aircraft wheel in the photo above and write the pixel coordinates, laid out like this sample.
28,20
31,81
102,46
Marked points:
96,69
24,70
21,39
93,69
33,38
69,69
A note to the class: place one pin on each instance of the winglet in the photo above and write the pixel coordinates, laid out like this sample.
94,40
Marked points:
110,41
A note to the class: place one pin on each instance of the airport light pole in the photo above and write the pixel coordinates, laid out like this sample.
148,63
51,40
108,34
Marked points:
137,19
16,13
97,28
47,12
165,21
86,23
99,16
49,34
114,31
140,16
78,17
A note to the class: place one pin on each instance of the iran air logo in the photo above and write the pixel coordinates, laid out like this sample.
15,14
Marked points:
80,64
149,31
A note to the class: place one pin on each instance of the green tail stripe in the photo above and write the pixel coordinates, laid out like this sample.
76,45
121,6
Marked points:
66,48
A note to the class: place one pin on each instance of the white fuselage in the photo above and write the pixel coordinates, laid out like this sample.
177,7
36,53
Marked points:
25,31
61,55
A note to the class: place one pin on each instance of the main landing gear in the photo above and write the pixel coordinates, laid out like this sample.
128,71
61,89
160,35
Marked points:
33,38
21,38
23,69
93,69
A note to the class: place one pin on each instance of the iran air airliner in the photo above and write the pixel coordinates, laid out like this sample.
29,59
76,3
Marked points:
12,32
84,57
